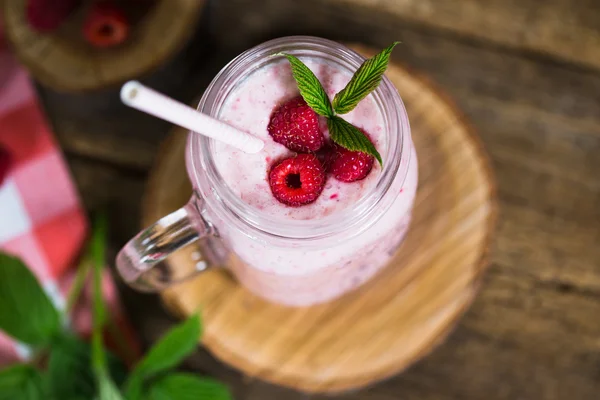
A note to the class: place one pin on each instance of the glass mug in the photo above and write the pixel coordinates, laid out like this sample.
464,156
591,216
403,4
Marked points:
291,262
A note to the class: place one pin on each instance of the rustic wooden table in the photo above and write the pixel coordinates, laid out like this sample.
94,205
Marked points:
528,77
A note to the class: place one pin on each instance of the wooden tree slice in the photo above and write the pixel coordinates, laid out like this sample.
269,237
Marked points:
64,61
393,320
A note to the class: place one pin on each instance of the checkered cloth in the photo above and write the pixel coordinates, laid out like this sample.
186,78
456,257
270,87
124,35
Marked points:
41,219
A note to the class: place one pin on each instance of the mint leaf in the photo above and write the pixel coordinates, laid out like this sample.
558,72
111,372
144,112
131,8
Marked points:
70,375
350,137
187,387
364,81
310,87
133,387
21,382
171,349
26,312
69,370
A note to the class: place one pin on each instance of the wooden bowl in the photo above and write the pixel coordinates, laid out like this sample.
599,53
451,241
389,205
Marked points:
64,61
393,320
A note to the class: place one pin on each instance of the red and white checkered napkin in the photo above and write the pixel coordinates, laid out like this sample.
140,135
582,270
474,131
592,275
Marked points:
41,218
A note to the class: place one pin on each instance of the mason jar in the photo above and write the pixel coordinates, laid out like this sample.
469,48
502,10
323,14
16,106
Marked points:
287,261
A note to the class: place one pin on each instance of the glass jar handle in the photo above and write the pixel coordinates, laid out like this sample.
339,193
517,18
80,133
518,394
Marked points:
139,261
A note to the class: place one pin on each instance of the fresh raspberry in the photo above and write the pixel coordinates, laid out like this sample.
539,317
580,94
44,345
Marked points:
106,25
5,163
47,15
349,166
297,180
296,126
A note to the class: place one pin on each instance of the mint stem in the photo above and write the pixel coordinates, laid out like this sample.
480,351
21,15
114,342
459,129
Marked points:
97,248
83,271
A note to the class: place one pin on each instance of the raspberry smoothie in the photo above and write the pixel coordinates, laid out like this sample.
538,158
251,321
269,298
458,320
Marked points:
306,219
304,275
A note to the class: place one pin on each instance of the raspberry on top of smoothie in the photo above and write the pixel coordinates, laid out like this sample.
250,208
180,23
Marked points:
297,180
314,162
296,126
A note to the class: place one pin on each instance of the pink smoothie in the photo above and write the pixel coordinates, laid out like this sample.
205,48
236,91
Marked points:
304,276
250,108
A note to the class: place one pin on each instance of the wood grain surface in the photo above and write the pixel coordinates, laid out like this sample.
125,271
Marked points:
533,331
402,313
64,61
554,28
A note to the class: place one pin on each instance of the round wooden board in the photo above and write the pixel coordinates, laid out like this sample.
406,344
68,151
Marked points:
63,60
390,322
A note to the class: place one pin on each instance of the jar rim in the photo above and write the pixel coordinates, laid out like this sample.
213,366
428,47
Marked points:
227,206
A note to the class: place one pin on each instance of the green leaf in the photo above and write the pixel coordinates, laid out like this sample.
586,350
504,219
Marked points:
22,382
107,388
310,87
70,375
188,387
350,137
364,81
171,349
133,387
26,312
167,353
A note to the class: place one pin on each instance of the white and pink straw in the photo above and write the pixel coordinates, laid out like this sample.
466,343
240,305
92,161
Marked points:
142,98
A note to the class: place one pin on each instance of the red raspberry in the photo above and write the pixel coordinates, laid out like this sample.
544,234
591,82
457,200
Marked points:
296,126
297,180
106,25
350,166
5,163
48,15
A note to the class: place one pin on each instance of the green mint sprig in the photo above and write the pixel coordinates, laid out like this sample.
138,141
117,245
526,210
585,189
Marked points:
66,367
364,81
